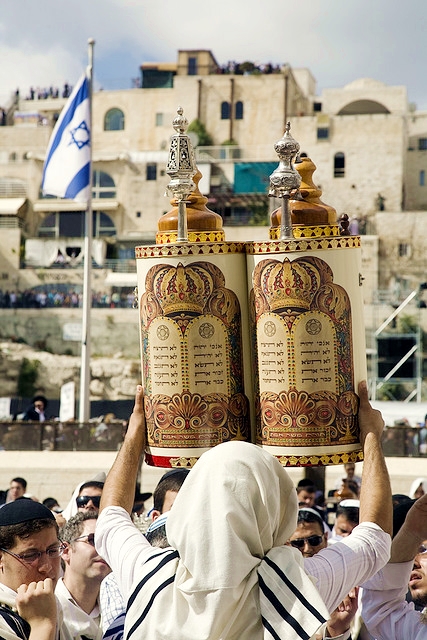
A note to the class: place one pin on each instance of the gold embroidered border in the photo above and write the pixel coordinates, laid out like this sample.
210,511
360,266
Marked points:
188,249
287,461
321,230
320,461
302,244
167,237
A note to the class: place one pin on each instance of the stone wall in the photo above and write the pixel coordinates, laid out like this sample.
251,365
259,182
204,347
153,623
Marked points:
38,335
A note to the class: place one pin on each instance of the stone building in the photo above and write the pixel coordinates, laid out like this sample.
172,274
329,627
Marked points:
369,145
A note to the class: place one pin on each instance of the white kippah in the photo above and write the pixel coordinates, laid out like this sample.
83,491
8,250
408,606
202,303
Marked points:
350,502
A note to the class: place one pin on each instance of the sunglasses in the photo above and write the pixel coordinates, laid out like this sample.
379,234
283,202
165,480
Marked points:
82,501
88,538
313,541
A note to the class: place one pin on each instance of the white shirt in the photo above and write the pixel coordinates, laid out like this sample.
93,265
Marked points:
77,622
336,570
385,611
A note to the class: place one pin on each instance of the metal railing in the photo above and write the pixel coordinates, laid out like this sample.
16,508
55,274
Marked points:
72,436
58,436
127,265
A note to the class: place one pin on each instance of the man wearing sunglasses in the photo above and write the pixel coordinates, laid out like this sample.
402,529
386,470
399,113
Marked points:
29,569
309,536
84,570
385,611
89,496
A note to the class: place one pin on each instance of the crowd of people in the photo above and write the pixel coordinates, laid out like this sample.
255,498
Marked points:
53,298
231,549
242,68
44,93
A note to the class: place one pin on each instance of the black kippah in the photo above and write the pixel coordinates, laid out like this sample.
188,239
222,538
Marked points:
23,510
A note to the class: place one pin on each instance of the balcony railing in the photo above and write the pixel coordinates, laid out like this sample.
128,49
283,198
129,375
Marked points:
231,153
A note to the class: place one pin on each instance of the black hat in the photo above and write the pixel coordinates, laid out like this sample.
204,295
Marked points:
141,497
23,510
400,512
182,471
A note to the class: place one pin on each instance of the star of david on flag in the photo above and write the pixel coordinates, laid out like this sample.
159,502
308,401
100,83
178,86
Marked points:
66,171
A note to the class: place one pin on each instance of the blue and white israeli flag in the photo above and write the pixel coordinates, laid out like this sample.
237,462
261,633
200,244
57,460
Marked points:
66,171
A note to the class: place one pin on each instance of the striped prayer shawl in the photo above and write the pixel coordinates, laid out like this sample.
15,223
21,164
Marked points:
18,625
116,629
160,572
285,611
289,616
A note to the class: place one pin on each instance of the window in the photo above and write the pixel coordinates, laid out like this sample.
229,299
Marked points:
404,250
422,178
339,165
151,171
114,120
71,224
322,133
238,110
317,106
103,185
192,67
422,144
159,119
225,111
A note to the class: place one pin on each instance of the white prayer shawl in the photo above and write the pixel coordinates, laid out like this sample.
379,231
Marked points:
229,575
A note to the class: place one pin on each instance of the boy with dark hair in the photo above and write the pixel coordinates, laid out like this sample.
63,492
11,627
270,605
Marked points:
29,569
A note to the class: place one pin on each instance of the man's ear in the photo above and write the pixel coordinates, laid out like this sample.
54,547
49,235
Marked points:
155,514
66,553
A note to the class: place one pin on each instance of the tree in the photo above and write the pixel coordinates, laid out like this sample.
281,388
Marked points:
205,139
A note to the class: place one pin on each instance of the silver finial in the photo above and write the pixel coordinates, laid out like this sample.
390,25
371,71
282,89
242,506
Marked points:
181,167
285,180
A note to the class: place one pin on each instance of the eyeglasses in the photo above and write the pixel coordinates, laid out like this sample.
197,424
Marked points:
313,541
34,556
82,501
90,539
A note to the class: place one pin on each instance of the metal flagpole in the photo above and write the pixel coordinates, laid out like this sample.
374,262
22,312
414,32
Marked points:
84,403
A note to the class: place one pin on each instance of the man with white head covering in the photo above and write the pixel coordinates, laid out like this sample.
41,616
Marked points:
228,574
418,488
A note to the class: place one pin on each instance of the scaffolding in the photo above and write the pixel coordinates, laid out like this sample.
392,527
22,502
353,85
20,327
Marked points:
398,352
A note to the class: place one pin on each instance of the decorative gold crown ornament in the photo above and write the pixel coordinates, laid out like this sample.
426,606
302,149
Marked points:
180,288
289,284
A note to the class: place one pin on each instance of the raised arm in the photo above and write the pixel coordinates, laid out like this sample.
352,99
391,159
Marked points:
412,533
119,488
375,494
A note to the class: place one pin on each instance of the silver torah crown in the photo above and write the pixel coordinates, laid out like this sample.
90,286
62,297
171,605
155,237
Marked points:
285,179
181,164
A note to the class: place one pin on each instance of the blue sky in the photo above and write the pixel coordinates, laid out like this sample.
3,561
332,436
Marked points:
44,42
